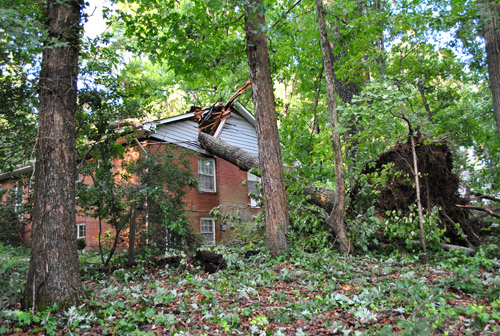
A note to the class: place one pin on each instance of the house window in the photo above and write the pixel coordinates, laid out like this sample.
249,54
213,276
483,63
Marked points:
253,190
207,229
80,230
206,174
19,197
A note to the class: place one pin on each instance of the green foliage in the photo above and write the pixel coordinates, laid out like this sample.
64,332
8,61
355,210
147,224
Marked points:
368,295
163,179
17,117
153,88
197,52
21,39
21,32
196,56
14,261
364,231
152,185
202,54
363,223
467,274
80,243
308,229
407,228
101,197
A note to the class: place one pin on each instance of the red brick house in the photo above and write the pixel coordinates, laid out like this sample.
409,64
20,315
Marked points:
220,183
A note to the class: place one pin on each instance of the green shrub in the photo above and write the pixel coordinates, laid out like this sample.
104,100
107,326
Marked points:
407,228
81,243
14,261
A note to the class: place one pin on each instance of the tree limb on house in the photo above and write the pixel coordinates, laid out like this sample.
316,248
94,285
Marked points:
322,197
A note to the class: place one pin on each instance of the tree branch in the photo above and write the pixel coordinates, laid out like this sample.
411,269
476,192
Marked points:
288,11
491,198
488,211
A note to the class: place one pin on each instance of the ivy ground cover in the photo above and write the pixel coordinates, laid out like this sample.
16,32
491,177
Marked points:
320,293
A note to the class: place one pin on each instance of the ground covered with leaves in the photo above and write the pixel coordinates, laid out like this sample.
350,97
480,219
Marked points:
323,293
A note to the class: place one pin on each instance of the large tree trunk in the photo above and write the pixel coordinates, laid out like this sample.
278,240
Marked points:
336,217
53,273
492,38
320,196
271,164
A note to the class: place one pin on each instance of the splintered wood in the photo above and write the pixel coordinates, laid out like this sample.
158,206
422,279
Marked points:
209,119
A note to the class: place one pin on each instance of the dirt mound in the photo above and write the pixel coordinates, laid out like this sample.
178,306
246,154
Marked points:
439,185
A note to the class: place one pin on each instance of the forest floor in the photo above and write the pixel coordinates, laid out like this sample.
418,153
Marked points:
320,293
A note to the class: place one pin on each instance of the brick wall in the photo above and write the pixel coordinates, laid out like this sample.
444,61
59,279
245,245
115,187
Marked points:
234,200
231,195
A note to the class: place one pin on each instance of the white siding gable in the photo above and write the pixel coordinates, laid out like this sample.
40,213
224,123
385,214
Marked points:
240,133
183,131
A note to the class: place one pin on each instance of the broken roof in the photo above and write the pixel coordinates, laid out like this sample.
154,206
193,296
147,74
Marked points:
237,128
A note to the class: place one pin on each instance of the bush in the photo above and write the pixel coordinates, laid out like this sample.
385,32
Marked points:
81,243
15,262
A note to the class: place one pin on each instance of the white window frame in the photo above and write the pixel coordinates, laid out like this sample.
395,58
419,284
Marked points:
202,160
78,226
206,241
18,197
251,178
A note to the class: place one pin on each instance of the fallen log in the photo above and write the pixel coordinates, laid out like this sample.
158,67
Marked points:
320,196
449,247
237,156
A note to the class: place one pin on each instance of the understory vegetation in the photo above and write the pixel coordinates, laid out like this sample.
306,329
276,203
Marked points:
392,122
320,293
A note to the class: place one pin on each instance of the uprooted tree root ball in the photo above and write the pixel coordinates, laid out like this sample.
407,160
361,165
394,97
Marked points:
439,186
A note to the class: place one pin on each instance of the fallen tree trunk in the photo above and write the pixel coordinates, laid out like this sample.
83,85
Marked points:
322,197
449,247
237,156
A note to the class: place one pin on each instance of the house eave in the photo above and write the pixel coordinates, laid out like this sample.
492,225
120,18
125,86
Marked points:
16,172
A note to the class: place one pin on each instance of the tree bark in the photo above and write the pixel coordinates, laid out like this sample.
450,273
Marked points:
417,187
271,164
53,273
491,18
237,156
320,196
336,217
